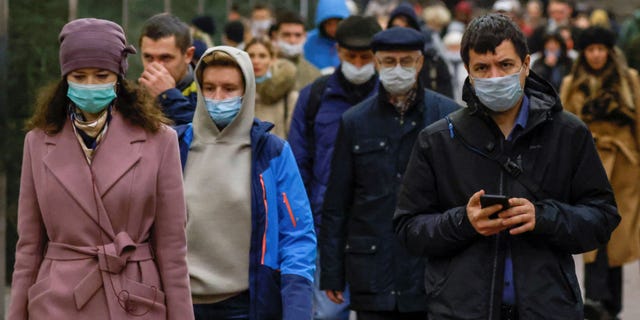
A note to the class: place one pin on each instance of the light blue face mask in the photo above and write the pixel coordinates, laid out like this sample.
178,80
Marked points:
223,111
264,78
499,94
91,98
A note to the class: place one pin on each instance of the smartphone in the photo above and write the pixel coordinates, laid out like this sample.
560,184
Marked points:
488,200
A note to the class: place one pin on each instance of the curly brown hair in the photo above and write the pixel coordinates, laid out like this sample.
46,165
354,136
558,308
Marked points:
135,105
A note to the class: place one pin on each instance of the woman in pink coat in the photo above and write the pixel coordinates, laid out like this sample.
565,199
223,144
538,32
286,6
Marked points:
101,213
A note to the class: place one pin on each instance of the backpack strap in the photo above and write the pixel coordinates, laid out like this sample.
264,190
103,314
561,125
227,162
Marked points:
313,105
506,163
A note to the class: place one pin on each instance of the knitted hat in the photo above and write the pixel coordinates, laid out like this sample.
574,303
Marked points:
93,43
595,34
398,39
356,32
234,31
205,23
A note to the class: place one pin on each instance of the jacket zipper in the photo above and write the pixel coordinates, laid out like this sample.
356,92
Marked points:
494,280
266,220
286,202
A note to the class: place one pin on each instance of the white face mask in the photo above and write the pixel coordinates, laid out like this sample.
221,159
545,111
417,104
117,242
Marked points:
290,50
260,27
398,80
357,75
499,94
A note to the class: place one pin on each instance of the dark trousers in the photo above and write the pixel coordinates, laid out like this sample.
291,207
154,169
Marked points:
603,283
391,315
508,312
234,308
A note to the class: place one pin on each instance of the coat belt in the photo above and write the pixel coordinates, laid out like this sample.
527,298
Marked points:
112,258
608,142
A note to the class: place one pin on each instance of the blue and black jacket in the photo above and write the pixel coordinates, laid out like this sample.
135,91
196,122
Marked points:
283,240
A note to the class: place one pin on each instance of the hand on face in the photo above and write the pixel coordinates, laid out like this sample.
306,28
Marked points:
519,218
156,79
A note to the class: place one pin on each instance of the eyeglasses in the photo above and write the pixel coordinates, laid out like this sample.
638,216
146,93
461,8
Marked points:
405,62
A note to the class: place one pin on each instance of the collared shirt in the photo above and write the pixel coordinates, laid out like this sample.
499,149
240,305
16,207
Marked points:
521,120
509,292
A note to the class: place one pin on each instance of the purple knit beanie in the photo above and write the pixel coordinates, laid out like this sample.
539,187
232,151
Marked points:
93,43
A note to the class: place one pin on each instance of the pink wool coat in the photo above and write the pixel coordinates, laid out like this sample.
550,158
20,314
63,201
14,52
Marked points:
111,249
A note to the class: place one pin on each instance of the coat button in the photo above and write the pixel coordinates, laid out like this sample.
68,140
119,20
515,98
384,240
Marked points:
373,247
413,123
356,147
382,144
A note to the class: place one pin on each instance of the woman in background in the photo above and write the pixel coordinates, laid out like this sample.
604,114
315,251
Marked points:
554,63
605,94
275,79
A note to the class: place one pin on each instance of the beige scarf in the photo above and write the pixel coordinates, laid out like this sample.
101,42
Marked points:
94,129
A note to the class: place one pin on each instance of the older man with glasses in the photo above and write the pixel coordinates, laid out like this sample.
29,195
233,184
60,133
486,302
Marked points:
357,242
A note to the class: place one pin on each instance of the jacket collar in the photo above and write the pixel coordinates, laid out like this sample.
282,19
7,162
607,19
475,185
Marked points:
116,155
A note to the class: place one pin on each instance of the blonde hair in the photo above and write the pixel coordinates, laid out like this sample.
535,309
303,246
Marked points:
600,17
436,16
219,59
264,41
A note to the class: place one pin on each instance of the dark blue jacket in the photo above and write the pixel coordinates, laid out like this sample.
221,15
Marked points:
179,104
283,241
314,168
357,242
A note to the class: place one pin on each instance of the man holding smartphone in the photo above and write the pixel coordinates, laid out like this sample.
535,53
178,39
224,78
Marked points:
514,139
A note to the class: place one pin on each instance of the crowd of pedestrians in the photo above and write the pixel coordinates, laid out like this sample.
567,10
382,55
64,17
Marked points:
400,160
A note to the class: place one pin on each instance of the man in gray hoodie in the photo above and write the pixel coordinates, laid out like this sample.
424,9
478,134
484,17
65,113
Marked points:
247,207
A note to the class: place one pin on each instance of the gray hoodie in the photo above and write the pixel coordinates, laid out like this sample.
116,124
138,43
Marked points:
218,193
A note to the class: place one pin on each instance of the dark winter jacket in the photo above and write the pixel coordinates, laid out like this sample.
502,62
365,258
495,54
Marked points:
357,242
179,103
314,161
575,209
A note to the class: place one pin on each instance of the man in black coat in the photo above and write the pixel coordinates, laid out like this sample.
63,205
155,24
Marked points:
372,149
511,260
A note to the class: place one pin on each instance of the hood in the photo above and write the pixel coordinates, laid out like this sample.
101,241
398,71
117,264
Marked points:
542,96
204,127
328,9
405,9
282,81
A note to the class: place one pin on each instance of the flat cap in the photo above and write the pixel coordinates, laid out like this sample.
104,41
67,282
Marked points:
398,39
356,32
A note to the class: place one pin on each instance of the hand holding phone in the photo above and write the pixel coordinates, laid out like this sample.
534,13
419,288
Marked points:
488,200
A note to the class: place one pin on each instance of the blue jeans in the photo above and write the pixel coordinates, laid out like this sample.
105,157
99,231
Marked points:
234,308
323,308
